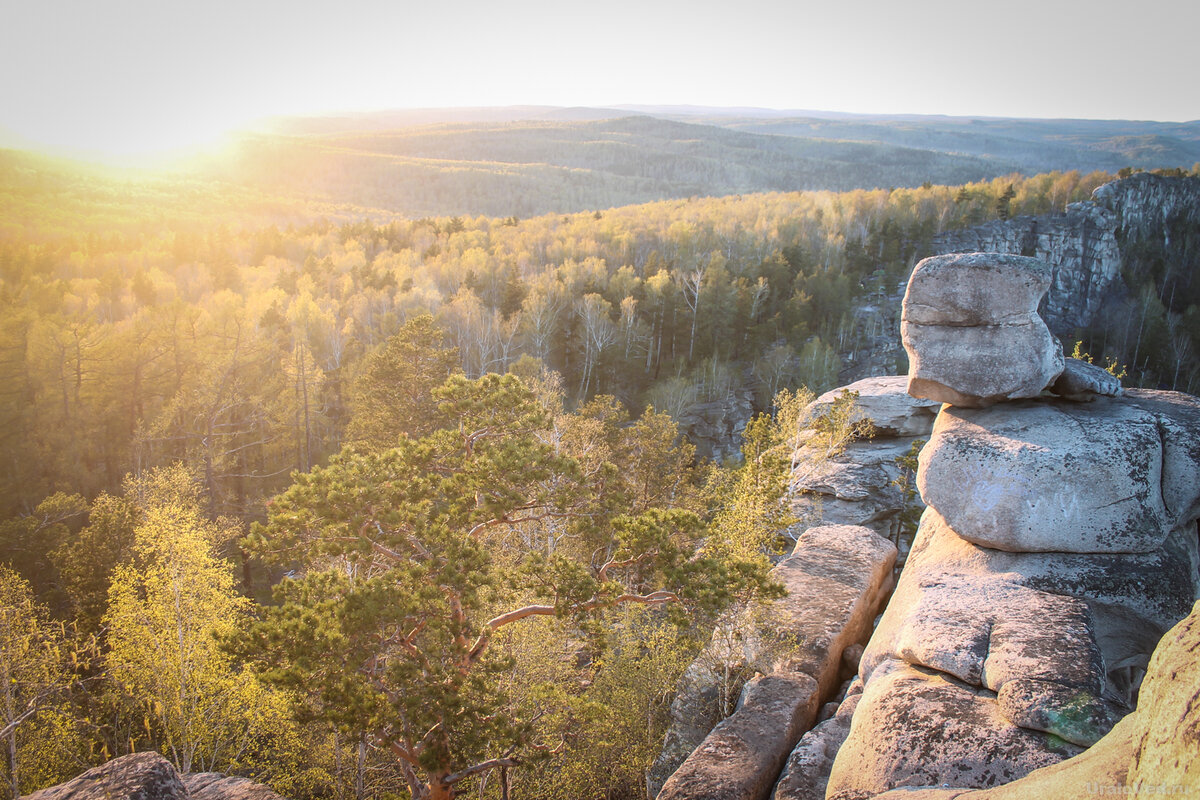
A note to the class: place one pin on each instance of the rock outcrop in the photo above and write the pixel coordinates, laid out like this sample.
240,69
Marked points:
837,578
149,776
860,483
138,776
218,786
1153,752
1058,545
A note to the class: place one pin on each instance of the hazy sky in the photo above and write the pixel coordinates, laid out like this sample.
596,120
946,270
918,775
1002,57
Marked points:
124,75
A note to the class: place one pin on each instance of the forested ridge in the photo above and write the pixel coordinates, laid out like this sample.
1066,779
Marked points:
454,439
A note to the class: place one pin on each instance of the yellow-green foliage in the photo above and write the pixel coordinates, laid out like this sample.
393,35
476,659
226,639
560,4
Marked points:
166,612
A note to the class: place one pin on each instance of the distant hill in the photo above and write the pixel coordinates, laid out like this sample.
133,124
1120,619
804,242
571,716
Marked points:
529,160
532,167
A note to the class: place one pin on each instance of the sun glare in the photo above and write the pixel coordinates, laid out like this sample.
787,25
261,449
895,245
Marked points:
144,142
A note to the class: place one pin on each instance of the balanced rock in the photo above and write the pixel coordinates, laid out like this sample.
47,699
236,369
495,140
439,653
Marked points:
1040,476
970,325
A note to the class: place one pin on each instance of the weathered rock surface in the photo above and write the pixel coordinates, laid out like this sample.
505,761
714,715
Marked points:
970,326
918,727
1132,599
806,774
217,786
1153,752
138,776
837,578
1082,381
1079,246
975,289
860,484
742,756
1049,476
886,402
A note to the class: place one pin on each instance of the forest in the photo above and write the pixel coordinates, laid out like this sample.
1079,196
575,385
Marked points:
361,505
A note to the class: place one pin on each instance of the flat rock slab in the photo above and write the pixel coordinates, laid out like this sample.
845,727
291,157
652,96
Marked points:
1048,476
1083,381
743,755
138,776
917,727
886,402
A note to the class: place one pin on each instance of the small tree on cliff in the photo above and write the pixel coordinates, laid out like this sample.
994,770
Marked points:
389,630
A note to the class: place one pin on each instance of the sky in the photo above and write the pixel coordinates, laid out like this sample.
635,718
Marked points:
128,76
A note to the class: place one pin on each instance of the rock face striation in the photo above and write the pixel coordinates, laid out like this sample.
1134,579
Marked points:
860,484
1058,546
1130,223
837,578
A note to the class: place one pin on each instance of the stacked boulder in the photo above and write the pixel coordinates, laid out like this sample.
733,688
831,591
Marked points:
1058,546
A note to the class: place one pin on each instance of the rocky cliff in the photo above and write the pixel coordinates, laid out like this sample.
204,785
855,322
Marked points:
1059,545
1124,232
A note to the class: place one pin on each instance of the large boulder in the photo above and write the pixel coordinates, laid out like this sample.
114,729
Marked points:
138,776
970,326
218,786
1056,476
1151,753
920,727
1131,599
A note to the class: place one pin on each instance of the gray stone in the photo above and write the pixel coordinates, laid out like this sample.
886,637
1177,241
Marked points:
837,579
987,632
975,289
1150,753
806,775
1083,381
217,786
970,326
1131,599
886,402
981,366
138,776
743,755
918,727
1178,418
1048,476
